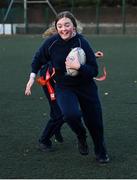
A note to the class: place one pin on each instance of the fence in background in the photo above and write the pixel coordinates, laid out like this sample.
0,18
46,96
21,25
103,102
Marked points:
29,16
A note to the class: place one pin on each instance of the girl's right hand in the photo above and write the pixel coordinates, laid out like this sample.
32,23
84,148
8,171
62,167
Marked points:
99,54
28,87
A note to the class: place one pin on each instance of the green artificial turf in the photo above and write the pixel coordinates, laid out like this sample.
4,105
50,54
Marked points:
22,118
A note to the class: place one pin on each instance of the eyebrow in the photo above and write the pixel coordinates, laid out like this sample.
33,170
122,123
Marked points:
64,23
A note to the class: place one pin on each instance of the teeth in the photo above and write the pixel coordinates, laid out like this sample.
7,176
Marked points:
65,33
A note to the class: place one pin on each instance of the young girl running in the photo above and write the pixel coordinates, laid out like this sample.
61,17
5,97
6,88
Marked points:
74,92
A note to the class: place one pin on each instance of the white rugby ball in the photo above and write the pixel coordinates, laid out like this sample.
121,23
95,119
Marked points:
71,56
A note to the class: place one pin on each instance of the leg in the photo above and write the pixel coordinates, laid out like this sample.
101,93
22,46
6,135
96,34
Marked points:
69,106
92,115
54,124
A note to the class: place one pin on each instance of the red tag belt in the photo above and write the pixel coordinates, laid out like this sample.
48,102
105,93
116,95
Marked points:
46,82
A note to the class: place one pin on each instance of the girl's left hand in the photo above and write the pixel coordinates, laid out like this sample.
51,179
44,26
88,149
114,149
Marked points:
73,64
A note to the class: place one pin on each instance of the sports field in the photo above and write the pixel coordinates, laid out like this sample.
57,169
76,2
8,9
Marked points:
22,118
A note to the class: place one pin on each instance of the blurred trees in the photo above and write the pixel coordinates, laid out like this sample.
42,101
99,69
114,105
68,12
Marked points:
79,3
118,2
83,3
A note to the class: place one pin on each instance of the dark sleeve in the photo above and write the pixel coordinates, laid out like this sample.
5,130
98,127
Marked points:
90,69
40,58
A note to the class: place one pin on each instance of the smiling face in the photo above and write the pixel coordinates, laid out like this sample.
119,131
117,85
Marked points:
65,28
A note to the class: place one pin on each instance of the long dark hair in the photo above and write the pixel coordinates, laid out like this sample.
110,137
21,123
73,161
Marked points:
66,14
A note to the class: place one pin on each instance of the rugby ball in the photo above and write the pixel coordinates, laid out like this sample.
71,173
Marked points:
71,57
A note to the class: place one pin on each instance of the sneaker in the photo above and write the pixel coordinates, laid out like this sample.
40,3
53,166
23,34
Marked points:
82,146
59,137
103,158
45,148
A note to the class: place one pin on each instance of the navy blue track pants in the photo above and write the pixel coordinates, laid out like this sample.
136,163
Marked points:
70,99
